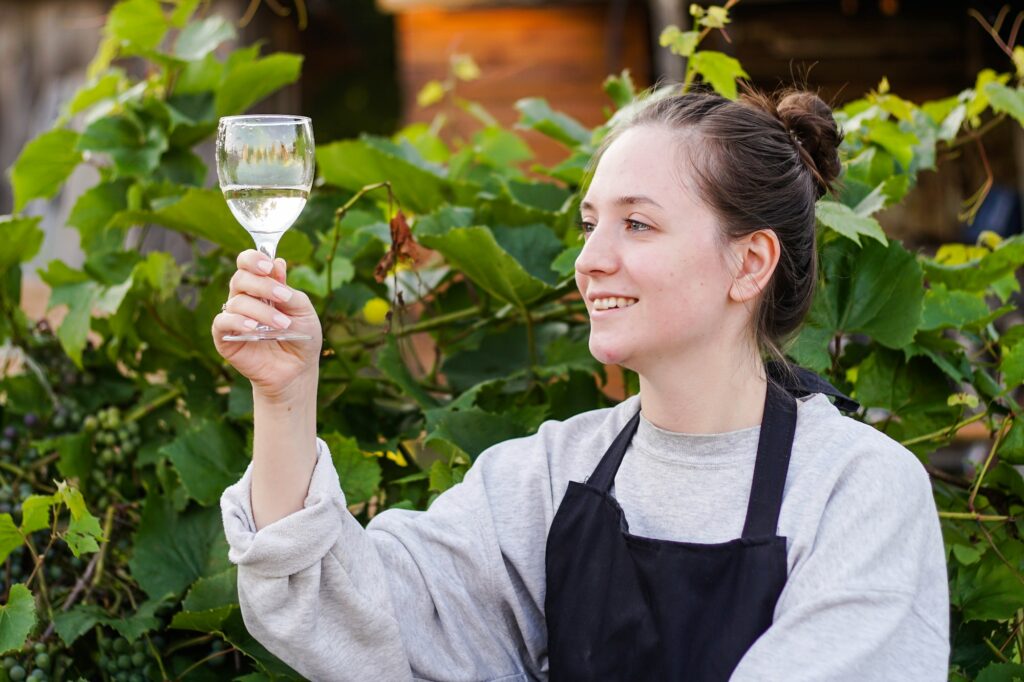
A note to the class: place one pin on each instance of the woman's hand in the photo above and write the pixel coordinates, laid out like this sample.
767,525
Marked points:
278,370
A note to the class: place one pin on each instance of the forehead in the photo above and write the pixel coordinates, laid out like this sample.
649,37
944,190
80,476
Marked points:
642,161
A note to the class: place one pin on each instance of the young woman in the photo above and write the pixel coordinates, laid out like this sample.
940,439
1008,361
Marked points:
721,525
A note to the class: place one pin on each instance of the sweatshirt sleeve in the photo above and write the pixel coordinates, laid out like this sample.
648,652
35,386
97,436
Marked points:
453,593
868,600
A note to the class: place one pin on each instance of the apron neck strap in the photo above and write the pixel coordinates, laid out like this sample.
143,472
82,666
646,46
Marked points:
604,474
772,464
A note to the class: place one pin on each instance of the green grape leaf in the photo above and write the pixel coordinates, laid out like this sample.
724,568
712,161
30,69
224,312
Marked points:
534,247
470,431
172,550
83,534
620,89
94,210
501,148
209,602
17,618
43,166
1006,100
10,538
142,621
843,220
389,361
536,114
246,83
898,142
564,264
875,290
974,268
353,164
720,70
22,239
74,328
201,213
682,43
200,38
76,457
135,148
35,513
137,24
97,90
159,272
208,457
1001,672
1012,365
1011,449
476,252
944,308
989,589
358,473
71,625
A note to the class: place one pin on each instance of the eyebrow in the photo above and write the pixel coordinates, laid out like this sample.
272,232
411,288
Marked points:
625,201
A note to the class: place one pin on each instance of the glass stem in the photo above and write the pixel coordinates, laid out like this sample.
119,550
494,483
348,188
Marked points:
268,247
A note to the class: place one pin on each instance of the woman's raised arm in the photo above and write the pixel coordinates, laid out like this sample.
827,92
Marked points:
284,382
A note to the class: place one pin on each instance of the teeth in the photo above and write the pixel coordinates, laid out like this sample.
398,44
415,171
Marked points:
613,302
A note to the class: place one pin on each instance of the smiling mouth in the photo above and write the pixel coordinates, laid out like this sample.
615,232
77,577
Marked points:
614,302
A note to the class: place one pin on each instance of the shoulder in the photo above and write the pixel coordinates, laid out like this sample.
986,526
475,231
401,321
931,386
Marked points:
848,452
560,451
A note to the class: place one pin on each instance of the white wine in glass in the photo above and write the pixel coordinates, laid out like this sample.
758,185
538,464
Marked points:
265,167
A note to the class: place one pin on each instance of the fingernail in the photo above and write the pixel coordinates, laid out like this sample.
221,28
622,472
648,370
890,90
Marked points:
281,321
265,265
251,324
282,293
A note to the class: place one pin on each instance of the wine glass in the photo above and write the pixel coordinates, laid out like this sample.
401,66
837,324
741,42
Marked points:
265,168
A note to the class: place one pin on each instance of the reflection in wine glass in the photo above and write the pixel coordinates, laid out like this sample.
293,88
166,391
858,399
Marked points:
265,167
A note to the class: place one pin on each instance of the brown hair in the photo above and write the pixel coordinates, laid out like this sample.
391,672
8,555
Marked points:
762,161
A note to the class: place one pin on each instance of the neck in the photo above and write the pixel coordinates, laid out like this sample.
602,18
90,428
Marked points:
705,393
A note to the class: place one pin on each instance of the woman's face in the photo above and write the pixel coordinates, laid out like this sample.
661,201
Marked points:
652,273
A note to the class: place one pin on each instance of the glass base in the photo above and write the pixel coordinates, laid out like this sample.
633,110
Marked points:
268,335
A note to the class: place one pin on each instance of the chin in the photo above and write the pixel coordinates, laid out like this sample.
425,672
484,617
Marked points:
607,354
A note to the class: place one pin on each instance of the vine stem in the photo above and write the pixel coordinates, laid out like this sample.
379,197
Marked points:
988,460
108,523
201,661
970,516
338,215
944,432
142,410
76,591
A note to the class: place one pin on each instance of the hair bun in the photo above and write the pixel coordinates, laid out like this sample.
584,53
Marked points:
809,121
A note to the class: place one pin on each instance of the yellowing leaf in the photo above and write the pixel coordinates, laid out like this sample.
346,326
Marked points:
720,70
430,94
967,399
464,68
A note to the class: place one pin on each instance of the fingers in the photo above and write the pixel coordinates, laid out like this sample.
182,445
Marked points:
246,308
255,262
230,323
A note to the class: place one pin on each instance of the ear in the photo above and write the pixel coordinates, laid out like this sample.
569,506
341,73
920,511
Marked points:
755,256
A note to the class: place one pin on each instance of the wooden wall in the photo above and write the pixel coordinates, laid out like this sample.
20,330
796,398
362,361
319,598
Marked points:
561,53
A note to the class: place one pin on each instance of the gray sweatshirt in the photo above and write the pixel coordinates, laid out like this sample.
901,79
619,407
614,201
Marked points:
457,592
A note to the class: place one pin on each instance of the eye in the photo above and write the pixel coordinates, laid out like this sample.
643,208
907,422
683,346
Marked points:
586,227
637,226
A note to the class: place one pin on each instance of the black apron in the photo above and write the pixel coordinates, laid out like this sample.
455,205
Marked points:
623,607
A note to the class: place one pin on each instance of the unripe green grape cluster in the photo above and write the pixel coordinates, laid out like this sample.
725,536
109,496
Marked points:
125,661
115,441
38,663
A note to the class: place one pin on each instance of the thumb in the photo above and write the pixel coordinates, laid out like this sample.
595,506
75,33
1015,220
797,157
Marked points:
280,270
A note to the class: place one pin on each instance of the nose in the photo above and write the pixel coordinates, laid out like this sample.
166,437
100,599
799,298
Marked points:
599,255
